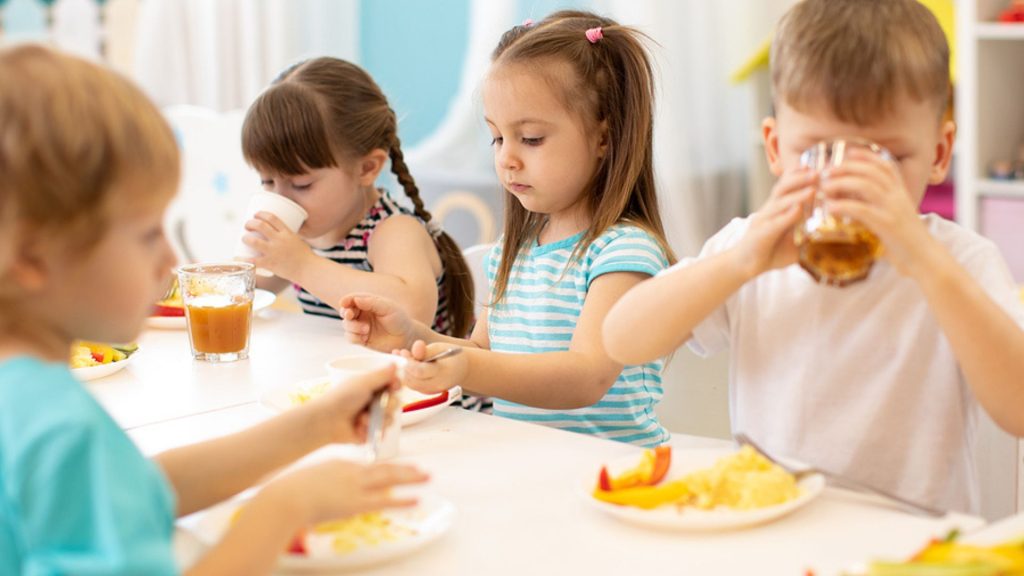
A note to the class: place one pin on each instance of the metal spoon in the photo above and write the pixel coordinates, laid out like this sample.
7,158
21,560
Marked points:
378,405
443,354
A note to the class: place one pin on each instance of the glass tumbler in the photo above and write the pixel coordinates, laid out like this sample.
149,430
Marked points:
834,250
218,309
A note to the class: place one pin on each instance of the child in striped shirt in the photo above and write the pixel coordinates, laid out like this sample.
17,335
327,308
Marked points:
320,135
569,103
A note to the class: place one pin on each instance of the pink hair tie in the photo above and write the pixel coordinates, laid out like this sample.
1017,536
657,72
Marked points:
595,34
528,22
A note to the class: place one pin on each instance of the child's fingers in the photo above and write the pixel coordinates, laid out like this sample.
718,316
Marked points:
262,224
784,204
379,476
272,220
794,181
419,350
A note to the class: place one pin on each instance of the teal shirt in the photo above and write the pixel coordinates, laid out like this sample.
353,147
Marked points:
542,304
76,495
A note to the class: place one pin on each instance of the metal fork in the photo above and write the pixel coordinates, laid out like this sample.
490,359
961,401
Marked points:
378,405
915,507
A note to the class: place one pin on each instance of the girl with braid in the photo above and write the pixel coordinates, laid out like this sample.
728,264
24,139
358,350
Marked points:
320,135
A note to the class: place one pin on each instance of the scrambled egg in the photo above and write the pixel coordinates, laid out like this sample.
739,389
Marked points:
364,530
743,481
301,396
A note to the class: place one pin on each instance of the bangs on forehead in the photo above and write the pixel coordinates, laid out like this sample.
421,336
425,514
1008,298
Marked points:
858,58
285,132
563,80
860,97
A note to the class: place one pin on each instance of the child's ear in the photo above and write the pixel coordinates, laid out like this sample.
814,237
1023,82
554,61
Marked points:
371,165
943,153
770,134
602,139
28,267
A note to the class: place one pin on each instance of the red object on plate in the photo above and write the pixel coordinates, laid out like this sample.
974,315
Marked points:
298,544
162,310
426,402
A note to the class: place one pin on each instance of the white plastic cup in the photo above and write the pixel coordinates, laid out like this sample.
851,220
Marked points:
344,368
289,212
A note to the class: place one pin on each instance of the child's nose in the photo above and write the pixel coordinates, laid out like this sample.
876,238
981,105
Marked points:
508,159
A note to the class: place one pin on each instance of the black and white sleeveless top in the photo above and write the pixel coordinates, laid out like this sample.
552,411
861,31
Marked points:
353,251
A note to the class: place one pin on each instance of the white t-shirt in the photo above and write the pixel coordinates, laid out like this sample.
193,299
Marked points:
860,380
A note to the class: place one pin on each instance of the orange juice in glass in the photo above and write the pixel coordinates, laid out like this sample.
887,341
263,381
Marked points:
218,309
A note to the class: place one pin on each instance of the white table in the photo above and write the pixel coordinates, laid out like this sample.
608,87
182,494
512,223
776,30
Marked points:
164,383
515,485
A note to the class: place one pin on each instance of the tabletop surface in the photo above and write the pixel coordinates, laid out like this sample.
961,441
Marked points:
516,486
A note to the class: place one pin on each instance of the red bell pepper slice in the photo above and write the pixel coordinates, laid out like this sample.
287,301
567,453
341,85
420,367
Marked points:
426,402
163,310
652,469
604,481
298,544
662,462
97,356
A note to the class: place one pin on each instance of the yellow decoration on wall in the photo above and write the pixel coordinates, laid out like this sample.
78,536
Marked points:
943,10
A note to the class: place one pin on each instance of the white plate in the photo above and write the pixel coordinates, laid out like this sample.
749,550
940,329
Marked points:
94,372
429,520
260,300
278,399
673,518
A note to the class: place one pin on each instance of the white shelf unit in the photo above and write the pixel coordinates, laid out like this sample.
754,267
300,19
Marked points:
990,122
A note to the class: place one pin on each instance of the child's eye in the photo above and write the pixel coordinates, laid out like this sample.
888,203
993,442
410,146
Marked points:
496,141
301,187
153,235
533,141
267,184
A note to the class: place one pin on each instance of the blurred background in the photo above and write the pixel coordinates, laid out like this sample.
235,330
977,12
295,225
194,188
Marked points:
204,61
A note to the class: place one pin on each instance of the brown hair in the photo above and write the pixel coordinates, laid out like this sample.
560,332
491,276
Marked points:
77,142
612,83
324,109
858,56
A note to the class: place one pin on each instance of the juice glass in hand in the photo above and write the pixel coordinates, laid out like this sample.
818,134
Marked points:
835,250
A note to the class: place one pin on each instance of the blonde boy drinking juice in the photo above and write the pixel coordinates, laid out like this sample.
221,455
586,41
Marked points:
88,168
881,380
569,104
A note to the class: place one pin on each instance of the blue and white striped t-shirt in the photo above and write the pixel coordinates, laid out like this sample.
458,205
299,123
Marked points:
539,312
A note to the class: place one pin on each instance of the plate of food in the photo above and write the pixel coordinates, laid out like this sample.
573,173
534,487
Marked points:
698,490
92,360
416,407
169,314
952,556
355,542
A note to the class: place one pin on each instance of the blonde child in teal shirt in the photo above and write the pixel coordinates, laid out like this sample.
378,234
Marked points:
88,168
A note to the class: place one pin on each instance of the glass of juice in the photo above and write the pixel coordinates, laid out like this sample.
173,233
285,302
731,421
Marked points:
835,250
218,309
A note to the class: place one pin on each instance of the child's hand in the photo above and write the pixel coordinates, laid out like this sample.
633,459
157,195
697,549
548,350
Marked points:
278,249
432,377
341,411
768,242
339,488
375,322
870,189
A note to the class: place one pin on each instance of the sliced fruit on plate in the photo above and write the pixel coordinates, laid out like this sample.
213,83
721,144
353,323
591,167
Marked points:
654,464
85,354
947,557
163,309
426,402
